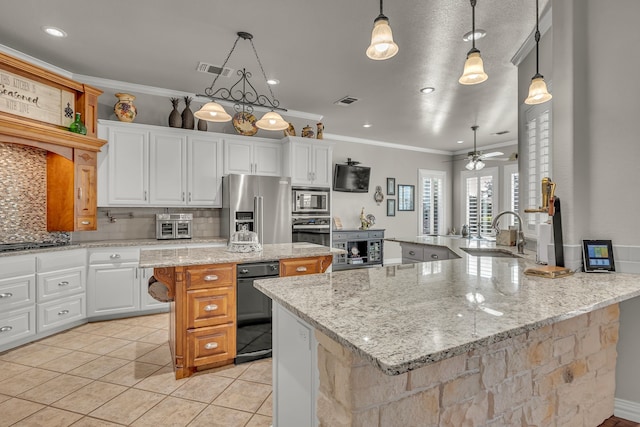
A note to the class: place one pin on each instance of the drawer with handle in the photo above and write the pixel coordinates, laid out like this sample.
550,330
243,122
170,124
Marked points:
201,277
300,266
60,283
209,307
412,252
60,312
114,255
211,345
85,223
17,292
17,324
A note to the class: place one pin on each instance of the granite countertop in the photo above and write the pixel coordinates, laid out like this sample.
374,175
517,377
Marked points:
150,258
402,317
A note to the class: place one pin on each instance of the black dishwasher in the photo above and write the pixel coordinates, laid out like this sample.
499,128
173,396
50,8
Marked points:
253,336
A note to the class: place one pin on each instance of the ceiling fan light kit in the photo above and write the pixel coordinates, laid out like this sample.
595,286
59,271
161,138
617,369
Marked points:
473,72
382,45
538,93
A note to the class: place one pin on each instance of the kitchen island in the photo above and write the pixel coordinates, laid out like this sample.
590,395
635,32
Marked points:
201,283
466,341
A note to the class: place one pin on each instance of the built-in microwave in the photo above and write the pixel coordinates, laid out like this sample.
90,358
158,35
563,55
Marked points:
311,201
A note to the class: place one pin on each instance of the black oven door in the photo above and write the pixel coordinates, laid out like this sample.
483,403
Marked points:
312,236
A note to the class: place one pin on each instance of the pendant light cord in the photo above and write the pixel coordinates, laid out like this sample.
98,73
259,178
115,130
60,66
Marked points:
537,37
473,24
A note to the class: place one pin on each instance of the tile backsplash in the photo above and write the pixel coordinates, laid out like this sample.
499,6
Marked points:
23,195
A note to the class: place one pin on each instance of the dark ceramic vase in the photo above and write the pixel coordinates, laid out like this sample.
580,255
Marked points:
175,119
202,125
188,120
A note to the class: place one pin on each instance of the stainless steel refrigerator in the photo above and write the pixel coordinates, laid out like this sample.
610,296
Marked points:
261,203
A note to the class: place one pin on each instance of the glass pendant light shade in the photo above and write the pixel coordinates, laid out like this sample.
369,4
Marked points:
272,121
473,72
382,44
212,112
538,92
470,166
475,165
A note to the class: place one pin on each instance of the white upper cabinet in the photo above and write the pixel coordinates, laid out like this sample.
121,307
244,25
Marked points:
167,169
204,171
308,161
252,157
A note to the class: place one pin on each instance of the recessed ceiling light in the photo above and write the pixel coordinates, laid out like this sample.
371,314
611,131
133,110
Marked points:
55,32
478,35
427,89
273,81
366,125
460,142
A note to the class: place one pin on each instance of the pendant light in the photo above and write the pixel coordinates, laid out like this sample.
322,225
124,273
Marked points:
473,72
382,45
538,92
475,162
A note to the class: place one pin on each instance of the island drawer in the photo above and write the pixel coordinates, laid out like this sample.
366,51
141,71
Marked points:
202,277
209,307
412,252
211,345
301,266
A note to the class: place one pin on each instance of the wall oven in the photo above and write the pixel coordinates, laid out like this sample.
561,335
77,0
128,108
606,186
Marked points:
311,201
312,229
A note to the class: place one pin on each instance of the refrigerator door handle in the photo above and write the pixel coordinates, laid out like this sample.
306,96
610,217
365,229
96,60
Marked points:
258,208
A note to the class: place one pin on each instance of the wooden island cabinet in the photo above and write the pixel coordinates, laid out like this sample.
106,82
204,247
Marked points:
202,333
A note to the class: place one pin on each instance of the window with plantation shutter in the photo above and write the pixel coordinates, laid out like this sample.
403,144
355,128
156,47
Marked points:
538,125
480,192
431,191
511,193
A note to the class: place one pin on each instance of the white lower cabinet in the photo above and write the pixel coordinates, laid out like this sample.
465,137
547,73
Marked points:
17,300
54,314
295,370
17,325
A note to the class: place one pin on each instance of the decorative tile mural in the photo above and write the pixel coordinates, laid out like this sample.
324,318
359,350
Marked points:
23,195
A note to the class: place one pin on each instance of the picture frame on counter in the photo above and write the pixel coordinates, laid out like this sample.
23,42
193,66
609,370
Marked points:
406,197
391,186
391,207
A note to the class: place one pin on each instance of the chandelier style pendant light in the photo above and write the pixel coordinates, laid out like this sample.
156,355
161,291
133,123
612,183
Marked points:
538,92
244,96
382,45
473,72
475,163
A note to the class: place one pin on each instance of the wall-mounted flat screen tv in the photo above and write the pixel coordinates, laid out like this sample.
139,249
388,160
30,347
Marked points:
350,178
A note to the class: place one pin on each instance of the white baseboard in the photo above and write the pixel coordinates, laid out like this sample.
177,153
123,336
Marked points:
627,410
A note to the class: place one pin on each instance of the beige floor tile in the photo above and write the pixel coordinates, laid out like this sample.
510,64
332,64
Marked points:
161,381
156,321
131,373
55,389
133,350
13,410
203,387
259,421
25,381
69,361
4,397
99,367
128,406
9,369
230,371
244,395
106,345
160,336
34,354
171,412
90,328
134,333
109,329
90,397
50,417
217,416
77,341
259,372
267,407
94,422
160,356
57,339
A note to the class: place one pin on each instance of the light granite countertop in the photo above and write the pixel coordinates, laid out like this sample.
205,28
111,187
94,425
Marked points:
402,317
154,258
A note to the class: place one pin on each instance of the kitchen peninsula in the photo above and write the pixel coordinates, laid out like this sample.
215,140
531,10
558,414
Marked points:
466,341
202,284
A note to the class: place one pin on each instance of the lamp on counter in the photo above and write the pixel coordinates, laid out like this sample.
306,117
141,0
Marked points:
382,45
243,95
538,92
473,72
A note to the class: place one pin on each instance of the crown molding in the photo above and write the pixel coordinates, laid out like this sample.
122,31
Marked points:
355,140
489,147
530,43
36,61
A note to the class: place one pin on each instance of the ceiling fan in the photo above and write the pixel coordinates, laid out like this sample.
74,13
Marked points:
476,157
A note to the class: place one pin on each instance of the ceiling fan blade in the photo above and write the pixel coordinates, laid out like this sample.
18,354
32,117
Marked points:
492,154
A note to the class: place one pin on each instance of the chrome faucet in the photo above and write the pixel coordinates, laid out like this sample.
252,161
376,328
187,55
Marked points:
520,239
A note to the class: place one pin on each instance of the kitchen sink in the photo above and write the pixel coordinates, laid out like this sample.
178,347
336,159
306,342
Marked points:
492,252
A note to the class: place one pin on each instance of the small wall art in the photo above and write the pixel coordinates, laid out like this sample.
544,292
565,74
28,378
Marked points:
405,197
391,207
391,186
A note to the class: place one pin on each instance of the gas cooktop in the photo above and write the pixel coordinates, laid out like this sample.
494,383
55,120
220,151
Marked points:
23,246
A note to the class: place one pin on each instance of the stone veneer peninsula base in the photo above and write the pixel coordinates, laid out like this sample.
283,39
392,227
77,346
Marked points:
559,375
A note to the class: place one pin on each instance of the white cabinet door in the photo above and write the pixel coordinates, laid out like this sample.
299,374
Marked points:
128,167
204,167
321,165
267,159
309,163
252,157
301,154
147,302
238,157
167,169
113,289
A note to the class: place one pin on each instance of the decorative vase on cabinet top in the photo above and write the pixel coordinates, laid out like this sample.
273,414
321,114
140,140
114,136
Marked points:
124,108
188,121
77,126
175,119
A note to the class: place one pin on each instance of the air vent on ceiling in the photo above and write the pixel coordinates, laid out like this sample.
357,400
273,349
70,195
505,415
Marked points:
203,67
346,101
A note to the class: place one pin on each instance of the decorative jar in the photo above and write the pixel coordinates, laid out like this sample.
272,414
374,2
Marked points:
77,126
124,108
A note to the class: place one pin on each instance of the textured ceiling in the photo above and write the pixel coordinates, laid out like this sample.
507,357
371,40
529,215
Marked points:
315,48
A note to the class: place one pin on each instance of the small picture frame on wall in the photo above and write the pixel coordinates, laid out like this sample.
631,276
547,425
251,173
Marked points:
391,186
391,207
405,197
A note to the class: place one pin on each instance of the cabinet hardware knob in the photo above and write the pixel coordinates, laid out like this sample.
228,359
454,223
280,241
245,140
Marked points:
211,345
86,222
210,278
114,256
434,256
145,194
301,268
6,295
65,283
210,307
6,328
183,196
189,195
79,193
63,312
412,253
244,271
